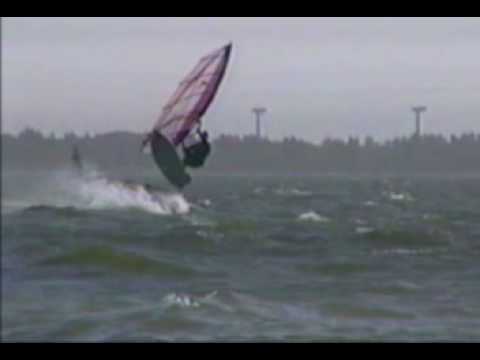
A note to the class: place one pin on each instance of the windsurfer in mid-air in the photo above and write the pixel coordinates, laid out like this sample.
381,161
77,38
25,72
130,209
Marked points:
182,113
196,154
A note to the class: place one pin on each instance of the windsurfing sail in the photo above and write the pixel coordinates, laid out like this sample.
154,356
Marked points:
193,96
183,113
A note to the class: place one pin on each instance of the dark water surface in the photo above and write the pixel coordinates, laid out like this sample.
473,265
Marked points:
240,259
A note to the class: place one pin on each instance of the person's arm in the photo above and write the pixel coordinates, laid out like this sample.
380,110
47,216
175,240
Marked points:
203,136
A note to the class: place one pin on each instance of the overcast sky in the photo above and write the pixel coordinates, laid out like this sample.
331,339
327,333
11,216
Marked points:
317,76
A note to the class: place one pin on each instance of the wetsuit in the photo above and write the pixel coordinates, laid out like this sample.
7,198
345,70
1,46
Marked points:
195,155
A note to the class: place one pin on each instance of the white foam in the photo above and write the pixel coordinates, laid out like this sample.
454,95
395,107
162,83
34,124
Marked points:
312,216
103,194
399,196
187,301
292,192
180,300
92,190
363,230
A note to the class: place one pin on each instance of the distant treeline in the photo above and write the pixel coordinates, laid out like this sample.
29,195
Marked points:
121,150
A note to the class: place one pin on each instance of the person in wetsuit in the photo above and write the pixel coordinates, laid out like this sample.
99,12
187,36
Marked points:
195,155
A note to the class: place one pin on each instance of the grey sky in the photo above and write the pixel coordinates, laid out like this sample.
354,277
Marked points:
318,76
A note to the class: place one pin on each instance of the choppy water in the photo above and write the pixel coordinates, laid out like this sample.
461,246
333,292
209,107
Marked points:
240,259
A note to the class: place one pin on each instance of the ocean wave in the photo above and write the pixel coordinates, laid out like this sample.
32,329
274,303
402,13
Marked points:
105,257
60,211
399,196
292,192
312,216
238,226
411,238
187,301
359,221
334,268
432,217
180,300
198,221
361,311
406,252
364,229
12,206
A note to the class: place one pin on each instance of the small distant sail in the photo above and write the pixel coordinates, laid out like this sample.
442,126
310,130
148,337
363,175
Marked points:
76,159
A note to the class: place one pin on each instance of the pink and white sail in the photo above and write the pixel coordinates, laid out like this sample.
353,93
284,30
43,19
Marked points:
193,96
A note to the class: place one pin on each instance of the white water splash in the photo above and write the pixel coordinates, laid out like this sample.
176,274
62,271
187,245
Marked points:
93,190
399,196
180,300
312,216
187,301
101,193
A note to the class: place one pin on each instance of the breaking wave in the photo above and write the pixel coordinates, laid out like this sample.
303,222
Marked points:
185,300
312,216
117,261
